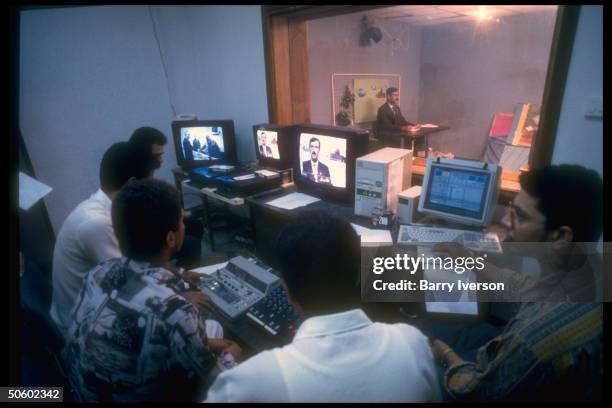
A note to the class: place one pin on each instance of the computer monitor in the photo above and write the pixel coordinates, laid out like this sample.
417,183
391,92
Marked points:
324,165
460,191
199,143
273,145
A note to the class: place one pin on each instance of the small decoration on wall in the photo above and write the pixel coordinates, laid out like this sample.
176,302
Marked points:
380,94
347,98
361,93
373,87
343,119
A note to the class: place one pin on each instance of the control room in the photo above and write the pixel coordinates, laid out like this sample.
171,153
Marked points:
247,203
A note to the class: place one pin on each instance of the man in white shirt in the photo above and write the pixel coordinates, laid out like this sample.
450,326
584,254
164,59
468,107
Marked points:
87,237
338,354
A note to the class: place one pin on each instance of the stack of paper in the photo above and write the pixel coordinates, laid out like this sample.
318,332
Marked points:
292,201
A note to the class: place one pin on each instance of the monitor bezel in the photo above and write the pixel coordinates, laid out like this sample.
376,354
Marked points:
229,143
285,144
356,146
492,192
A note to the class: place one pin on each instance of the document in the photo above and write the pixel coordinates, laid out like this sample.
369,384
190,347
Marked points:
292,201
429,125
266,173
373,236
30,191
245,177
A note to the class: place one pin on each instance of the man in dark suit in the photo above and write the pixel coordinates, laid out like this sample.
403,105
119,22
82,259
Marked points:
313,168
196,144
187,147
264,149
213,148
391,124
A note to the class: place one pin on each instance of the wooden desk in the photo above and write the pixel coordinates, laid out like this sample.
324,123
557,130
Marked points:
423,133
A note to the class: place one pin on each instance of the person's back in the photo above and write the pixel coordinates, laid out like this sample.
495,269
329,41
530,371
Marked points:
85,239
338,354
341,357
124,342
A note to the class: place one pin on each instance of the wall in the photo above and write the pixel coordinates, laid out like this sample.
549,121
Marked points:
579,139
90,75
333,47
469,72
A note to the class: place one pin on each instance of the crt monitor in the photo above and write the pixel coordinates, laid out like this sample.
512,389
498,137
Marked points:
460,191
324,165
273,145
199,143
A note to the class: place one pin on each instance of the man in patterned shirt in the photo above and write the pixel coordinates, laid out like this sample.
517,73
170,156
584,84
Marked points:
552,349
134,335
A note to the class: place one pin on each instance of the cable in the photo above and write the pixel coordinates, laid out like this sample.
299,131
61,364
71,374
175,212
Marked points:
163,60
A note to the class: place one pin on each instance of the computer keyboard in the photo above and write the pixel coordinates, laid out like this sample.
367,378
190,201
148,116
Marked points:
275,315
477,241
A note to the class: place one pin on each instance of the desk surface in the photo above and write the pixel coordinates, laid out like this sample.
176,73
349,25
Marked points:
425,131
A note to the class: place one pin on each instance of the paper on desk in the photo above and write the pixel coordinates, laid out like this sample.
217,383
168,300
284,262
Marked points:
30,191
210,268
371,236
266,173
429,125
292,201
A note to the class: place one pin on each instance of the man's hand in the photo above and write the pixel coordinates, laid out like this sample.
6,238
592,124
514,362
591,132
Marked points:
201,301
443,353
193,278
411,128
219,345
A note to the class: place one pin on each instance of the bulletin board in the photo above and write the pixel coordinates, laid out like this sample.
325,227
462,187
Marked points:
367,95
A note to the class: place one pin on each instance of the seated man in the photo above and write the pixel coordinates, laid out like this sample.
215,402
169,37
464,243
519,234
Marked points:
391,126
154,140
134,335
87,237
552,348
338,354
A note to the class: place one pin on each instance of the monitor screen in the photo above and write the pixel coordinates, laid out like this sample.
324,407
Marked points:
267,144
323,159
460,191
202,142
456,191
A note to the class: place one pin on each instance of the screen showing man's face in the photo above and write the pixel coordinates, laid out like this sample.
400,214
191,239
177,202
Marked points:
323,159
315,147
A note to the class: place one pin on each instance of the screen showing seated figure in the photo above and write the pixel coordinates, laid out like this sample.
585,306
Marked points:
202,143
267,144
323,159
460,192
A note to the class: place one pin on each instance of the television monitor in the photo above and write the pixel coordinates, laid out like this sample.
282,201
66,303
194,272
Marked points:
324,165
199,143
273,145
460,191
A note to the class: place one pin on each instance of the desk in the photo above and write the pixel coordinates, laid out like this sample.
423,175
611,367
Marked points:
423,133
205,194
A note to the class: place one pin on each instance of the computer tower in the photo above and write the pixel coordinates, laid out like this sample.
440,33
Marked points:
379,177
408,205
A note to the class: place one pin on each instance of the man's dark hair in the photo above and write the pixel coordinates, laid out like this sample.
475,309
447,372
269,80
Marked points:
390,90
143,213
148,136
568,195
123,161
312,139
319,257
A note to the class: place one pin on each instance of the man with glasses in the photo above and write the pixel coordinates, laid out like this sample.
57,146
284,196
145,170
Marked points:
552,348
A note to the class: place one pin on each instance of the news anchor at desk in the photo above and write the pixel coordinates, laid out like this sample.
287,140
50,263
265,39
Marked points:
391,126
